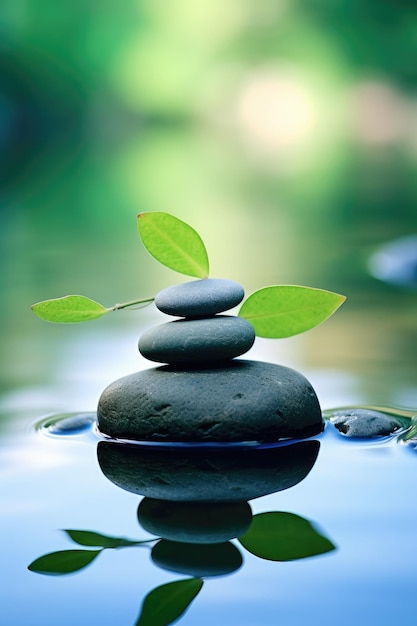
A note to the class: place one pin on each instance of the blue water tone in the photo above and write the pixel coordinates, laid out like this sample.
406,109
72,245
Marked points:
357,494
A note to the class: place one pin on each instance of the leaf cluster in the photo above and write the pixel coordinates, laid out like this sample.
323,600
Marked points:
277,311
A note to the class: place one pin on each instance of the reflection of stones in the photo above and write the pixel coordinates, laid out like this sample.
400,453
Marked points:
239,400
201,474
364,423
196,497
197,560
195,522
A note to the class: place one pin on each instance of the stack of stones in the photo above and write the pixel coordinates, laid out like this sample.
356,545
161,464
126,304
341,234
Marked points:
204,393
201,337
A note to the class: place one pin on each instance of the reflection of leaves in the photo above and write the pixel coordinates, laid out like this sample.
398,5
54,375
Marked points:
88,538
279,536
68,561
63,562
173,243
165,604
286,310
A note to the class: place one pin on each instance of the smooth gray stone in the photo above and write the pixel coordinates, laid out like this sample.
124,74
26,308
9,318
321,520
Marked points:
199,298
197,340
239,401
364,423
200,474
194,522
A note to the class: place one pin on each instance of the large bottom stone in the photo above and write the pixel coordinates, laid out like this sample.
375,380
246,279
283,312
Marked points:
239,401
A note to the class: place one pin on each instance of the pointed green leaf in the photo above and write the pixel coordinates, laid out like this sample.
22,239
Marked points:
174,243
279,536
165,604
286,310
88,538
69,309
63,562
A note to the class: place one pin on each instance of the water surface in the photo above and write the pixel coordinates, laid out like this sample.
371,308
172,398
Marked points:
359,494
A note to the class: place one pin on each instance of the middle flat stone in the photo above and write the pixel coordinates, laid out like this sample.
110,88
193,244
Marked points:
197,340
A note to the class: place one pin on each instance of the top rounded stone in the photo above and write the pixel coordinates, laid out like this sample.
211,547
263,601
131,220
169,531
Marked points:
199,298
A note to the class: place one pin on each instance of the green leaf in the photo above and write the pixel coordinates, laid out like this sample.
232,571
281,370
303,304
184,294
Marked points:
88,538
69,309
174,243
165,604
411,433
279,536
286,310
63,562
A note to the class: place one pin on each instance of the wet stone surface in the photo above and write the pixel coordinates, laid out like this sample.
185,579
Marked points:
197,340
199,298
242,400
365,423
70,424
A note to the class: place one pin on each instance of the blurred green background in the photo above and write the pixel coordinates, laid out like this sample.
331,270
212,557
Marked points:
283,131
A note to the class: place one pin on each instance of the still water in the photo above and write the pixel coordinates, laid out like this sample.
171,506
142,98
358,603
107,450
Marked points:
357,494
100,120
76,233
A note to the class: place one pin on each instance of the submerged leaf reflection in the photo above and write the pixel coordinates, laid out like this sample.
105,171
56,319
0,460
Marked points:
279,536
196,513
165,604
88,538
63,562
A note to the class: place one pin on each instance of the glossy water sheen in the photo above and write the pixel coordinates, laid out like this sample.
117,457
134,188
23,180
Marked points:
360,494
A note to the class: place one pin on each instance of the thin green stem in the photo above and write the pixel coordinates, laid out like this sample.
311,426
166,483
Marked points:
125,305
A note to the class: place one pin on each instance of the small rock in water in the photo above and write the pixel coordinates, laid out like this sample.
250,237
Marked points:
240,400
199,298
364,423
197,340
71,424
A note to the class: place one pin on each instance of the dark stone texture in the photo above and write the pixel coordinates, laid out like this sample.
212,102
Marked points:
206,474
199,298
364,423
239,401
197,340
195,522
197,560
